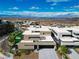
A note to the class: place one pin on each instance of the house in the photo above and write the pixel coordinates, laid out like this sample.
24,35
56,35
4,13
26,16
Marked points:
65,37
74,31
36,36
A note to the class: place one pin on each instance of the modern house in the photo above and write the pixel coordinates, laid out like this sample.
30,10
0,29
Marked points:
74,31
36,36
65,37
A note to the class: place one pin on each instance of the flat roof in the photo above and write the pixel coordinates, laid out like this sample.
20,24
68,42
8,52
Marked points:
74,29
26,41
69,39
61,31
30,33
47,38
39,28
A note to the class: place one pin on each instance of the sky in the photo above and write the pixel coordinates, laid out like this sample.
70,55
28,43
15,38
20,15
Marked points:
38,8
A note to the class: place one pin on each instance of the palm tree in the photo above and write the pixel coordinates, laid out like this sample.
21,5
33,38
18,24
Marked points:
12,37
12,40
63,51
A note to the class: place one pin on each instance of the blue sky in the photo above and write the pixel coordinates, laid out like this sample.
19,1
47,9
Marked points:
38,7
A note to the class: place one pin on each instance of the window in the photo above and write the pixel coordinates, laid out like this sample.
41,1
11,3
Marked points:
67,36
76,33
34,37
36,31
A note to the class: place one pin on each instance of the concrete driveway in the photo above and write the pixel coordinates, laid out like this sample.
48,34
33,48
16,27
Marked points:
48,53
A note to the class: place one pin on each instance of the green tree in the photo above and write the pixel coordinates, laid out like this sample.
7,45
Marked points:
12,40
13,35
63,51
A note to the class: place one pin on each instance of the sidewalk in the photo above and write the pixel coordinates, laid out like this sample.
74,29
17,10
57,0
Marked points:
73,54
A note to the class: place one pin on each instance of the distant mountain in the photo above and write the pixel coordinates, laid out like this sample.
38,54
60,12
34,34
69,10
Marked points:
52,16
67,16
12,16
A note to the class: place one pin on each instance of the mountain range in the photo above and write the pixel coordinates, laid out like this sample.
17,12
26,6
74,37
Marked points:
55,16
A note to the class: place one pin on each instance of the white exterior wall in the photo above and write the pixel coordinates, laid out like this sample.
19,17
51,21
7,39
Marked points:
25,37
67,43
26,45
45,33
70,43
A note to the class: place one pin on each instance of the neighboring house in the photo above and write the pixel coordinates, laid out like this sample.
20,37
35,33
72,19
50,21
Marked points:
65,37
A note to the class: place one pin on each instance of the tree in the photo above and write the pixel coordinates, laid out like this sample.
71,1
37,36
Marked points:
12,40
63,51
13,35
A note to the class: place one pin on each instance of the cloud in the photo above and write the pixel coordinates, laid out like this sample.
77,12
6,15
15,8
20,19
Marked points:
38,14
53,4
57,0
14,8
33,7
75,7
